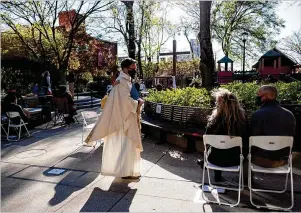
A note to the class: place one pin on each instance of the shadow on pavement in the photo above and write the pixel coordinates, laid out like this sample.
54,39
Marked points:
98,200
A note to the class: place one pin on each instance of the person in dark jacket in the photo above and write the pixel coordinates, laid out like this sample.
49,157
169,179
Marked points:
228,118
271,120
14,107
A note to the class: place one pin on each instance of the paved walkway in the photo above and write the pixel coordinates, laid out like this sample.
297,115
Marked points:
170,181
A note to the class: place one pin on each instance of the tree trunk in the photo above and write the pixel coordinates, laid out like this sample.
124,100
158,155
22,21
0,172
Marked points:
139,61
207,60
131,28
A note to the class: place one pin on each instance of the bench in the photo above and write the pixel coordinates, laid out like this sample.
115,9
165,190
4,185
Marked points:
187,121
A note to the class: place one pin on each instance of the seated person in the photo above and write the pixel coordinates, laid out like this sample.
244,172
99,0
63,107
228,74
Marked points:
14,107
71,108
271,120
35,88
228,118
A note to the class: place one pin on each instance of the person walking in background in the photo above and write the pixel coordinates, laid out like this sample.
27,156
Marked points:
271,120
71,80
142,86
46,83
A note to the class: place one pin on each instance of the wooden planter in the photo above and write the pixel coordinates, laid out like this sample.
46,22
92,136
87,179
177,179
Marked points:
188,116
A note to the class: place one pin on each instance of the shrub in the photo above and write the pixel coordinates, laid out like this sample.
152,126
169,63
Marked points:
246,93
189,96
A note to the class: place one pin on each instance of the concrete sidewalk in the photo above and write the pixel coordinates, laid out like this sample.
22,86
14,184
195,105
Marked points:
170,179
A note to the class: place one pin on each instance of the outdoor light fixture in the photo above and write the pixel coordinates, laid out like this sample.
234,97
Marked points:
244,39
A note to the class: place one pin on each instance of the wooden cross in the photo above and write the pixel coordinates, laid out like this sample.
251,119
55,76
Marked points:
174,56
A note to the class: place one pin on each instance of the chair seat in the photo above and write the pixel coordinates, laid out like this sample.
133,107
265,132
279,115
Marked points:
90,126
279,170
17,125
229,169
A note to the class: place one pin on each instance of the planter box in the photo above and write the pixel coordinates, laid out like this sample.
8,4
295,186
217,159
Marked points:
188,116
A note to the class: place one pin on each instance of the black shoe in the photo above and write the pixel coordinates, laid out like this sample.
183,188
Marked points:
200,162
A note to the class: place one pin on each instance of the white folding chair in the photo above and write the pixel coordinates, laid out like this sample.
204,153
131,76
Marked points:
223,142
13,115
88,115
271,143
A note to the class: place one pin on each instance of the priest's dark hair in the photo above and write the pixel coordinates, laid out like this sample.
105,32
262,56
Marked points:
127,62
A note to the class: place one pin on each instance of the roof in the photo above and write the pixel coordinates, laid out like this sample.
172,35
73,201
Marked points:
271,53
255,65
225,59
276,53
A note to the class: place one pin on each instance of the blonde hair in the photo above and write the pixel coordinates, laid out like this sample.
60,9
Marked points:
228,107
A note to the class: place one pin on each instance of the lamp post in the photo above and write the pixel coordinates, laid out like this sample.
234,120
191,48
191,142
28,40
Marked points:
244,39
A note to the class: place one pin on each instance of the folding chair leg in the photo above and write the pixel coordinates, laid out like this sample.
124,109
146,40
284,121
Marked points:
8,133
239,189
20,129
27,131
272,191
4,130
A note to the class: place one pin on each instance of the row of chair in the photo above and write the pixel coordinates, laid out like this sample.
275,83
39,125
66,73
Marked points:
271,143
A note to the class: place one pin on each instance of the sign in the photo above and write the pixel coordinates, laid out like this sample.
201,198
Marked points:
56,171
196,49
158,108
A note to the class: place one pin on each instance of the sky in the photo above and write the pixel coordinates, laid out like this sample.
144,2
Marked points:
289,11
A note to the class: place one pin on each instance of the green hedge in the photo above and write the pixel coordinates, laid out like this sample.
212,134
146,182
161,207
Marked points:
188,96
245,92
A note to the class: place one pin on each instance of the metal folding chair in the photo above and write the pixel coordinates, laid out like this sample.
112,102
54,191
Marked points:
271,143
222,142
88,115
14,115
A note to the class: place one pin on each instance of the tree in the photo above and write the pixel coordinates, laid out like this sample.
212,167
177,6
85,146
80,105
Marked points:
292,45
42,17
151,28
207,60
130,28
229,19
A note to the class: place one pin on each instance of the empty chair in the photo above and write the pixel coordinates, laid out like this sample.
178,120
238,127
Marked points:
271,143
223,142
12,123
88,115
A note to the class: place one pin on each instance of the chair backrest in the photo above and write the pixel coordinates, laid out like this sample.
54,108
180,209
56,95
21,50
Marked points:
222,141
13,114
271,143
88,115
61,104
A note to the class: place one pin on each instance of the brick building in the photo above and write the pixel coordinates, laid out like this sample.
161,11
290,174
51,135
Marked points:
94,54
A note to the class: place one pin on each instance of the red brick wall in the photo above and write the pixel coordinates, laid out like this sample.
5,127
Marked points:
65,18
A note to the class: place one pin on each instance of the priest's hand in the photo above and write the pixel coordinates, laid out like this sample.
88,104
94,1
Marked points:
140,102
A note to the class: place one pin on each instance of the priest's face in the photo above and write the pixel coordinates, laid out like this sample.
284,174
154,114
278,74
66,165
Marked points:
132,70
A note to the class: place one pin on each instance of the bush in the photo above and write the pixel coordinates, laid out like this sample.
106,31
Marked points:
189,96
246,93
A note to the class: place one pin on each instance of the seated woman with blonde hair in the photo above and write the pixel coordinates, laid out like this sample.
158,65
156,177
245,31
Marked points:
227,118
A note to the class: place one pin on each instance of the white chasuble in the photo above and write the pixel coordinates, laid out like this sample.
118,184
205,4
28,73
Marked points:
119,128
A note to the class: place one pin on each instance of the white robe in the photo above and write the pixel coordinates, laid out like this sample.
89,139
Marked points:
119,128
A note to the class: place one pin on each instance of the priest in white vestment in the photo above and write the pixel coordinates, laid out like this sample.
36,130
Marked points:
119,127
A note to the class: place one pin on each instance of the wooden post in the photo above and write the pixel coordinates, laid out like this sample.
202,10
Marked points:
174,58
275,64
219,67
262,63
279,62
231,66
